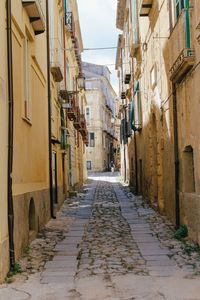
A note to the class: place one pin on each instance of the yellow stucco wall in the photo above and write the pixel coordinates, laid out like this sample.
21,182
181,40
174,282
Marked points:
4,254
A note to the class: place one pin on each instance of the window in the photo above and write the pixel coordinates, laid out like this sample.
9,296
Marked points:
89,165
26,78
180,5
87,115
91,139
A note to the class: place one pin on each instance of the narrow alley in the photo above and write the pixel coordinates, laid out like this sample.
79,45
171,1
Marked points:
106,243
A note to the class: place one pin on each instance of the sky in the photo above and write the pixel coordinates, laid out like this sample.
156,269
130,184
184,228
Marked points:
97,21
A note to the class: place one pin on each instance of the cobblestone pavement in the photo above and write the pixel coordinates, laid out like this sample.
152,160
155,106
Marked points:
107,243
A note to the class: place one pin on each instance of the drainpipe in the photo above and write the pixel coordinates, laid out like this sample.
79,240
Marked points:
187,25
10,134
136,164
176,156
49,112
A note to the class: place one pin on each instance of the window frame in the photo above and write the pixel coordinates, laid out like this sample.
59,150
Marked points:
92,140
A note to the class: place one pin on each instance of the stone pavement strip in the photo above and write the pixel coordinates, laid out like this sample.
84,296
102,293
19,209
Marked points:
103,245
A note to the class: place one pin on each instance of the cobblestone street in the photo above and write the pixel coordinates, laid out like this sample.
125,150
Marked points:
107,243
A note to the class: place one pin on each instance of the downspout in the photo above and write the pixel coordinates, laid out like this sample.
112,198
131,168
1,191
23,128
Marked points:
176,156
187,25
49,112
10,134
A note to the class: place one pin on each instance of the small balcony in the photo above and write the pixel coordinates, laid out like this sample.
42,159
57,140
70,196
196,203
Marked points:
64,94
70,25
71,110
145,7
77,121
181,58
86,139
83,128
36,16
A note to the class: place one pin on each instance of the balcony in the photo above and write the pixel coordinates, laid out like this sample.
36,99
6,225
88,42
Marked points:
36,16
181,58
83,128
86,139
71,110
145,7
70,25
77,121
64,95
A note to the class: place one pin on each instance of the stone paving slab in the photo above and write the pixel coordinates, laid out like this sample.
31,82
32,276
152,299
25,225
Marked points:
149,252
57,279
57,264
65,257
151,263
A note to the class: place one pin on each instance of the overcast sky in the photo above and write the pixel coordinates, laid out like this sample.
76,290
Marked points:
97,20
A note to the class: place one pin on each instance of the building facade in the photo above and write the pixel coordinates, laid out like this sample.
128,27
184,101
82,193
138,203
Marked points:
157,63
100,117
43,128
